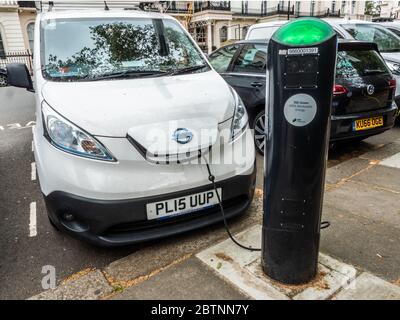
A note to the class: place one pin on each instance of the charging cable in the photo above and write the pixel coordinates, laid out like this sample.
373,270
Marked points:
211,178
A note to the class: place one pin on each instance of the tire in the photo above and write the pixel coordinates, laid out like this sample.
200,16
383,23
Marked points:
259,136
3,81
53,224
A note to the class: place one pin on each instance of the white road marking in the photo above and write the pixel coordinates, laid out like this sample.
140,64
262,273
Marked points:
33,171
30,124
32,146
14,126
32,220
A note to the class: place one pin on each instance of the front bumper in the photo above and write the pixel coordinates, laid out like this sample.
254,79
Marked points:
122,222
342,126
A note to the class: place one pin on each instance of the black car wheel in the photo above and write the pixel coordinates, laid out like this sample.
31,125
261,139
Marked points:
3,81
259,129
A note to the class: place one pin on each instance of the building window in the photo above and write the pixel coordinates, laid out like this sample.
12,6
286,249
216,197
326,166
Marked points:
343,6
223,34
312,9
333,7
245,7
353,7
2,48
201,34
263,7
244,31
298,7
30,29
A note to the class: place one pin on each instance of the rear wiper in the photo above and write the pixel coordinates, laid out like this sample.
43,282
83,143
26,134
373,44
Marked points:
373,71
188,69
129,74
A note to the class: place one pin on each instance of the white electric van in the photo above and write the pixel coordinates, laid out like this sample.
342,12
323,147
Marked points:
131,123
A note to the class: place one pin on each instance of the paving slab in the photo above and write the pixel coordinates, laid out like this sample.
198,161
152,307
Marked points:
366,243
346,169
369,287
381,176
366,201
242,268
162,253
382,152
190,279
393,161
91,286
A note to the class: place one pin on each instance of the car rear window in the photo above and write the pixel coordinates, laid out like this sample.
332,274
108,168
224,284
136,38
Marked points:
359,63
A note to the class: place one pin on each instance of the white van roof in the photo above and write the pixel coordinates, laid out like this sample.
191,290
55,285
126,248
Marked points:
112,13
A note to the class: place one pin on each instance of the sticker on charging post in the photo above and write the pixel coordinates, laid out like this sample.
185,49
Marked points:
300,51
300,109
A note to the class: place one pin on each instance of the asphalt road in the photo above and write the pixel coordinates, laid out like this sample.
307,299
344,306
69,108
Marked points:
23,254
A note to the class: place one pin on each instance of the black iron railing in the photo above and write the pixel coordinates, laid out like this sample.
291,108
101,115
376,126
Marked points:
212,5
17,56
319,14
287,10
266,12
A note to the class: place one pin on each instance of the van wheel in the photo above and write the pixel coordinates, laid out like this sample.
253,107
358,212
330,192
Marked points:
259,129
3,81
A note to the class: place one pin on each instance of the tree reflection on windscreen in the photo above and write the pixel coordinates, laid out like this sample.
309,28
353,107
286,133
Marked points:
77,49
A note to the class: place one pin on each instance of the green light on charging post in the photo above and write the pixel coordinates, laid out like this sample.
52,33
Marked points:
305,31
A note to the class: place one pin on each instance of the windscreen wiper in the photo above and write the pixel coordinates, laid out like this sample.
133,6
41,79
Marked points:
129,74
372,71
188,69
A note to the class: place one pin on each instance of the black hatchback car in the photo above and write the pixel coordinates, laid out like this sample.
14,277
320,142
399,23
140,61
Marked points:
363,94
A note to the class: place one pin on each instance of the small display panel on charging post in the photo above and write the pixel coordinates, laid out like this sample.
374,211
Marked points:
301,71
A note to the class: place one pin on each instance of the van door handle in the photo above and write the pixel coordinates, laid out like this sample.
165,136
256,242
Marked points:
256,84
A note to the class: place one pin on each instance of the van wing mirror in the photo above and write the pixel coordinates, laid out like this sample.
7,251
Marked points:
18,76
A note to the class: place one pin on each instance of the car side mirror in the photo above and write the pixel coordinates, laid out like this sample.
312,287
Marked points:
18,76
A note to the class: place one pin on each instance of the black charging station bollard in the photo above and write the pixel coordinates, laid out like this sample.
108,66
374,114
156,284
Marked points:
301,71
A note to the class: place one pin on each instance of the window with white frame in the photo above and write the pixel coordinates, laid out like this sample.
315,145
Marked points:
2,47
30,29
223,34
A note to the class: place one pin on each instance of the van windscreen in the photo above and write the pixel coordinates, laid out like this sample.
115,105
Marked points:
98,48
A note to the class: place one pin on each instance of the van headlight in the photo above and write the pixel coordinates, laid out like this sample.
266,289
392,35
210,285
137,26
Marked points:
69,138
240,118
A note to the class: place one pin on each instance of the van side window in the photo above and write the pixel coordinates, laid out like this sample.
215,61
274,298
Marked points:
221,59
252,59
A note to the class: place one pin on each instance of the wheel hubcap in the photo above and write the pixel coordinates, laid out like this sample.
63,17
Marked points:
3,82
259,133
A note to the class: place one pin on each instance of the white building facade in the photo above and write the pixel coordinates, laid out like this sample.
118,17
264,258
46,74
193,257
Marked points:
390,9
212,23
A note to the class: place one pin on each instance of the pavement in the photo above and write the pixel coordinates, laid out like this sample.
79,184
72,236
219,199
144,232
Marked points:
359,259
361,201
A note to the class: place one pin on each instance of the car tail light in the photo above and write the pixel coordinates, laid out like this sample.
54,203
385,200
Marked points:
339,90
392,84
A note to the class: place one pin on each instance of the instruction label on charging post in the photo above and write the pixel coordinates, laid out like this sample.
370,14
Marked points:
300,109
